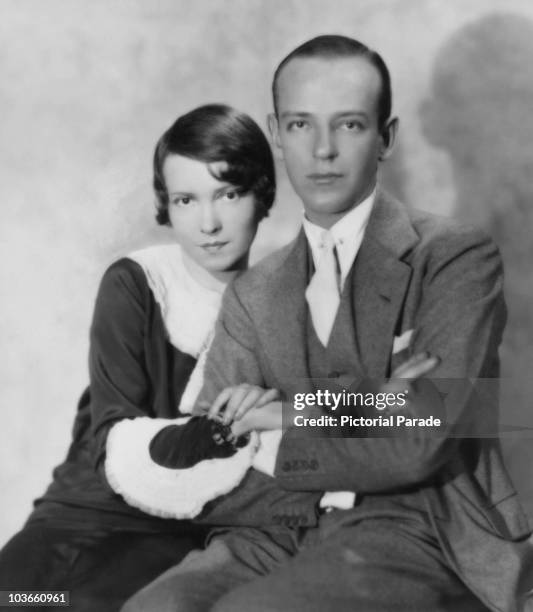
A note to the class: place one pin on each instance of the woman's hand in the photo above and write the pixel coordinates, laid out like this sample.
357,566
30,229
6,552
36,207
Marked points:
233,403
268,416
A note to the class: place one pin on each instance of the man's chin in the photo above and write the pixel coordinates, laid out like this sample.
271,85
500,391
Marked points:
327,207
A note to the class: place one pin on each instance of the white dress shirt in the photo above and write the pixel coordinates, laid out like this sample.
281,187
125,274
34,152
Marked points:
347,234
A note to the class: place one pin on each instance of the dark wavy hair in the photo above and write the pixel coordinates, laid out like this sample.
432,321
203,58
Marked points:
332,46
214,133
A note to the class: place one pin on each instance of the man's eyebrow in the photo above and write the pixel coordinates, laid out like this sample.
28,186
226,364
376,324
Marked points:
338,115
351,113
295,114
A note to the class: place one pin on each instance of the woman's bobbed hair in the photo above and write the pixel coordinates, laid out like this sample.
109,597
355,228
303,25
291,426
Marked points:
215,133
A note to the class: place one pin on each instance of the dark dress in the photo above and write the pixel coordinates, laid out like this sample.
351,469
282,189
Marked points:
82,536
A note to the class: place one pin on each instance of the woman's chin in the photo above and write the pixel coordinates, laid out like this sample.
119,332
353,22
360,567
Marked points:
221,268
220,262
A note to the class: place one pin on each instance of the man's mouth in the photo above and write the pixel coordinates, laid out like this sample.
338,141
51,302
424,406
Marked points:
324,178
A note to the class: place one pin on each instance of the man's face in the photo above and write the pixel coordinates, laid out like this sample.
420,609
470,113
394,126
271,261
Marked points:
327,129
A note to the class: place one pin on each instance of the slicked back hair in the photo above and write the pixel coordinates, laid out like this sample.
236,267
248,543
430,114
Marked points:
332,46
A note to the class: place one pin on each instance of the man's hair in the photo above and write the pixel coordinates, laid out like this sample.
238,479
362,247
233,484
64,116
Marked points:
215,133
332,46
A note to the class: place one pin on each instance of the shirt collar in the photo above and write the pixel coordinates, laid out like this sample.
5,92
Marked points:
347,234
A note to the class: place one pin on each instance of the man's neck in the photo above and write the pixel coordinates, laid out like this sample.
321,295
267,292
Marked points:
328,220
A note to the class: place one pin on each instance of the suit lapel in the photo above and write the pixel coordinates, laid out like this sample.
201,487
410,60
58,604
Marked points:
343,339
284,336
380,281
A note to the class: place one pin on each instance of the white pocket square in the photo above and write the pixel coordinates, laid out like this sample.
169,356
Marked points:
401,342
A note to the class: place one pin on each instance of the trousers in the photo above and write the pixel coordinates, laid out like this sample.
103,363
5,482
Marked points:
101,569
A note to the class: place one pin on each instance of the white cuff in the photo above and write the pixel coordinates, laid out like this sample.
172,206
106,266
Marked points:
342,500
265,458
161,491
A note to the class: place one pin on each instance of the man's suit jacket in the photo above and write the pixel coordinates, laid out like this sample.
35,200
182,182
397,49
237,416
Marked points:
414,271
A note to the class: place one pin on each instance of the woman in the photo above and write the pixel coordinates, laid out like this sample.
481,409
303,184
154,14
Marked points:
154,313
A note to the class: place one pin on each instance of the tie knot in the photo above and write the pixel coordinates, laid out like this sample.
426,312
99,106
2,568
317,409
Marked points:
327,241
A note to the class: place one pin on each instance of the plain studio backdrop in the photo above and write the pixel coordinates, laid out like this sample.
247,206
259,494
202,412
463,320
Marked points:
87,88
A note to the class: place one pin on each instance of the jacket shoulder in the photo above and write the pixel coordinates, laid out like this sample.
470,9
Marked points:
265,270
442,237
431,227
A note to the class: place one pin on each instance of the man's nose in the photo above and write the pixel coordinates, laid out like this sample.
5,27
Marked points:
325,146
209,221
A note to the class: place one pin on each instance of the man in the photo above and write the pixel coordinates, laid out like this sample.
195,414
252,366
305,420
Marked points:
435,524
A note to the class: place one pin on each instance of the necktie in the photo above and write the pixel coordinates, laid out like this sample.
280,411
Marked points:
322,293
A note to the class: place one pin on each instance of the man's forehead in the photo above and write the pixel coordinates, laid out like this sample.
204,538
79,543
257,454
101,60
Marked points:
318,83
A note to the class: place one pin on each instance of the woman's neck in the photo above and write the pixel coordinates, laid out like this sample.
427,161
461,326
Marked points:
215,281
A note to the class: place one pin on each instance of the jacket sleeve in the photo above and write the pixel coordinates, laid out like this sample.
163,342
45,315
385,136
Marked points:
233,357
120,387
130,444
460,319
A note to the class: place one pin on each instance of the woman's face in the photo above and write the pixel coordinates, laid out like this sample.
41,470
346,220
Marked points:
214,224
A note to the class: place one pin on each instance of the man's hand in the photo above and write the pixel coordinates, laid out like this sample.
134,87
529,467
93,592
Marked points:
267,417
411,370
234,402
417,366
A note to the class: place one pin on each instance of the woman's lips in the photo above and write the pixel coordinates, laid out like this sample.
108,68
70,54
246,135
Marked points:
213,247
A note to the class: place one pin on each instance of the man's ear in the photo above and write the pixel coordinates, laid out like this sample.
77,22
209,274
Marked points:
273,128
388,137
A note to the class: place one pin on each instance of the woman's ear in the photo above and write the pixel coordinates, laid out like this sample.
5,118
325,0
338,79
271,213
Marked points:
388,137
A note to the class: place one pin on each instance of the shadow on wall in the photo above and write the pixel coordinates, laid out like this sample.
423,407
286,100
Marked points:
479,111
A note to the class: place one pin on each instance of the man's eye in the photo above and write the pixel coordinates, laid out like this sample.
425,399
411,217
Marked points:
353,126
300,124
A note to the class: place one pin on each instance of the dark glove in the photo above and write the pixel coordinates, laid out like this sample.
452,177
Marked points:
182,446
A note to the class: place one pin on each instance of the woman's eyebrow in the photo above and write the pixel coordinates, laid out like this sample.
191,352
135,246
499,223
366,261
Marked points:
188,194
224,188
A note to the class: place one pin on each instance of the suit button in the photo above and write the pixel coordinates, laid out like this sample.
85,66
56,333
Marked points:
286,467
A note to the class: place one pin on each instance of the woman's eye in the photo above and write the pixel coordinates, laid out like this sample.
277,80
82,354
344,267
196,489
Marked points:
181,201
230,196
